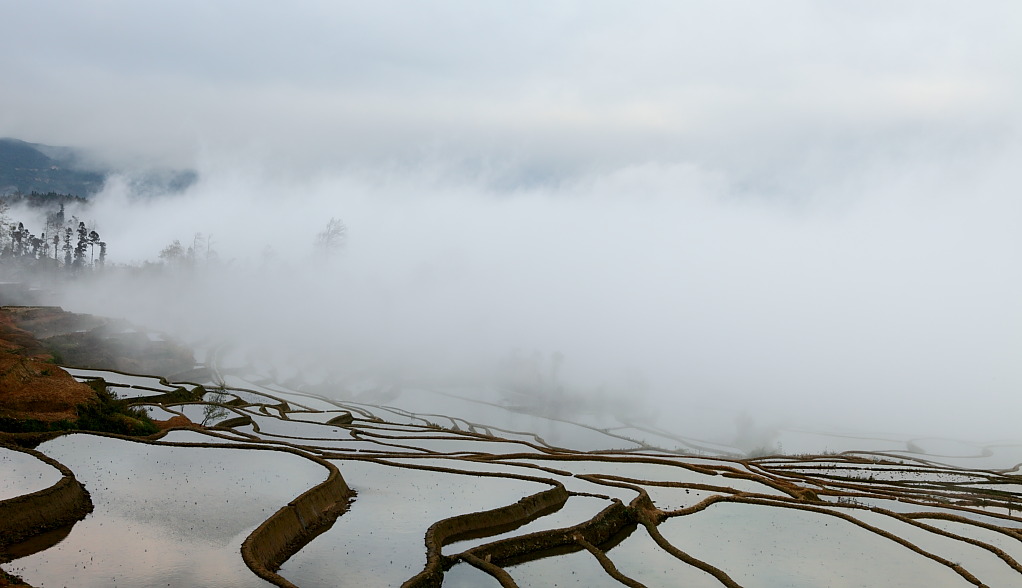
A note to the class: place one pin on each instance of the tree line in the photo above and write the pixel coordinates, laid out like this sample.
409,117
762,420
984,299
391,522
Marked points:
65,243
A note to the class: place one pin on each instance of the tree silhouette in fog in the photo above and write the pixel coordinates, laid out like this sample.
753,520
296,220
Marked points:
23,251
332,238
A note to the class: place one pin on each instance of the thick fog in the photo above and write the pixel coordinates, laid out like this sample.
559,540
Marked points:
893,304
805,211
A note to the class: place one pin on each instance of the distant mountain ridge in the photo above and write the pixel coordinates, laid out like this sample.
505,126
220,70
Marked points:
32,167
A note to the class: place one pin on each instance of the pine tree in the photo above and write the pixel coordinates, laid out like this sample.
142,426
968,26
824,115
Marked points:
67,248
83,243
93,239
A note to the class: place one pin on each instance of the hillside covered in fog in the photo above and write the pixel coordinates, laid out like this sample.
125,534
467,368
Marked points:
33,167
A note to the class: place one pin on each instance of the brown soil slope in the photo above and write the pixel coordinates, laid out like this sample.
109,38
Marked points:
30,386
87,341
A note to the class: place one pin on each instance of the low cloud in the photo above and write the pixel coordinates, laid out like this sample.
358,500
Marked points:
891,306
801,211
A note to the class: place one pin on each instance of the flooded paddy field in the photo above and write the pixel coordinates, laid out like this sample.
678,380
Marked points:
23,473
428,487
165,513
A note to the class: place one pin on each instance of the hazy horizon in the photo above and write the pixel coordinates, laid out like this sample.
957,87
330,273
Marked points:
806,210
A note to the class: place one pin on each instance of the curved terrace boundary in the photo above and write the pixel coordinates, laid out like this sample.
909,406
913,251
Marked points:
28,515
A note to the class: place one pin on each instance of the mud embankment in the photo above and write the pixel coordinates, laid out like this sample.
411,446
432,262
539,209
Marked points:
294,525
31,386
29,515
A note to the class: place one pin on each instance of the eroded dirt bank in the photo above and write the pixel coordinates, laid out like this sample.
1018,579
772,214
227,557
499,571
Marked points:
89,341
31,385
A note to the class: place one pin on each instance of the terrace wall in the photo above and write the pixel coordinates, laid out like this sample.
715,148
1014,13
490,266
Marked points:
61,504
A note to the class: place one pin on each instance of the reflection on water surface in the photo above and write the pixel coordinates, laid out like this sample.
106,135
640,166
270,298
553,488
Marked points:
585,500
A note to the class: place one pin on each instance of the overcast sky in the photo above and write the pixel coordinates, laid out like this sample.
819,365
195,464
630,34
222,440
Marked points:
787,203
544,88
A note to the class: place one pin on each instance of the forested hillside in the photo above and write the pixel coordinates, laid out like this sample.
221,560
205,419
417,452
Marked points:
44,169
30,167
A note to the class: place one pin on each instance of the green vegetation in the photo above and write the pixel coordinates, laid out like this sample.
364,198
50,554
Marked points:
114,415
28,167
7,579
179,395
109,415
42,200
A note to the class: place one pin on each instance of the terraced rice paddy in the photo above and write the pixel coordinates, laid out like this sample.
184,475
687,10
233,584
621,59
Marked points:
24,473
464,490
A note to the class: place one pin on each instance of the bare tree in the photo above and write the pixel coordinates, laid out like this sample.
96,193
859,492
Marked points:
332,238
214,410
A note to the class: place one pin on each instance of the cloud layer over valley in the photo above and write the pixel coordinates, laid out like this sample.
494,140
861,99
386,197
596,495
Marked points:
806,211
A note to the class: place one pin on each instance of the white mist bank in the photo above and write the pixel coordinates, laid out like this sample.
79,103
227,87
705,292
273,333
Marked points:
805,211
892,304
